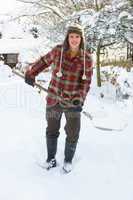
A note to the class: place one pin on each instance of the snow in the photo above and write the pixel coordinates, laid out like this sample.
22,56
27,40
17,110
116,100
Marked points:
102,167
17,45
124,14
129,37
5,70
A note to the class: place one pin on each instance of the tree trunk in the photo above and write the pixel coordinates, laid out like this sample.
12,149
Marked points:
98,65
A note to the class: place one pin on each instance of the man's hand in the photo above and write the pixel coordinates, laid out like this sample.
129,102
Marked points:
29,79
77,102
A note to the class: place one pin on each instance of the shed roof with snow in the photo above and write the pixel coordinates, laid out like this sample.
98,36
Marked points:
11,48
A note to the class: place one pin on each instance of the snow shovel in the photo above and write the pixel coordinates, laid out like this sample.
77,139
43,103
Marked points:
102,127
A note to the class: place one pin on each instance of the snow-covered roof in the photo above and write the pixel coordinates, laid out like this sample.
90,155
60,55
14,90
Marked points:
16,45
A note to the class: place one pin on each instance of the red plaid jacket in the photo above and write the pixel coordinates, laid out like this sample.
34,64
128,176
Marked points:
70,85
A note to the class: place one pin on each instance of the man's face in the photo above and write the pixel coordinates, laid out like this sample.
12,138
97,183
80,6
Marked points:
74,40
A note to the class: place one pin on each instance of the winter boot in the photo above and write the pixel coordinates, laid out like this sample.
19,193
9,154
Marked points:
50,164
69,154
67,167
51,150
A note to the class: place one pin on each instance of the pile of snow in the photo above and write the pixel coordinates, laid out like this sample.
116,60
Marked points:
117,83
5,72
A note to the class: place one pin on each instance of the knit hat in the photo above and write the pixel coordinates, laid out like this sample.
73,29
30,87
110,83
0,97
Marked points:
74,28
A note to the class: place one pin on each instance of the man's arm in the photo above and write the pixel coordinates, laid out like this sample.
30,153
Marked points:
38,66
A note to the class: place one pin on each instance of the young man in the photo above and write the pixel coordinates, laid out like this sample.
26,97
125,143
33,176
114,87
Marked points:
69,85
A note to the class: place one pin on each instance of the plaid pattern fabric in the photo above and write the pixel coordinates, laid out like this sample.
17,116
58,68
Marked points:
70,85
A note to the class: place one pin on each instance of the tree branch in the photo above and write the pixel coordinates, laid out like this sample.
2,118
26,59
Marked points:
54,9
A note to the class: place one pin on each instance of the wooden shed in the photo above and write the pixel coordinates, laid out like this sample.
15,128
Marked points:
10,59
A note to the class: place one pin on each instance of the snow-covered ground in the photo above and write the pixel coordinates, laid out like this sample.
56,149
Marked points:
103,164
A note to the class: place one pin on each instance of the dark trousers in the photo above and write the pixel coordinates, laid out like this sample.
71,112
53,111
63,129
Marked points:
72,126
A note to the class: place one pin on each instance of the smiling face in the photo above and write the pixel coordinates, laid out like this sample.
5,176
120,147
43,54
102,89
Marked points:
74,41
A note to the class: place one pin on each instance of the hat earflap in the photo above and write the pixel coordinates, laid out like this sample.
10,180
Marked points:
59,73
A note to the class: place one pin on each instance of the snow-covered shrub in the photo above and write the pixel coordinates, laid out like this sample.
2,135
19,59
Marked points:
117,83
